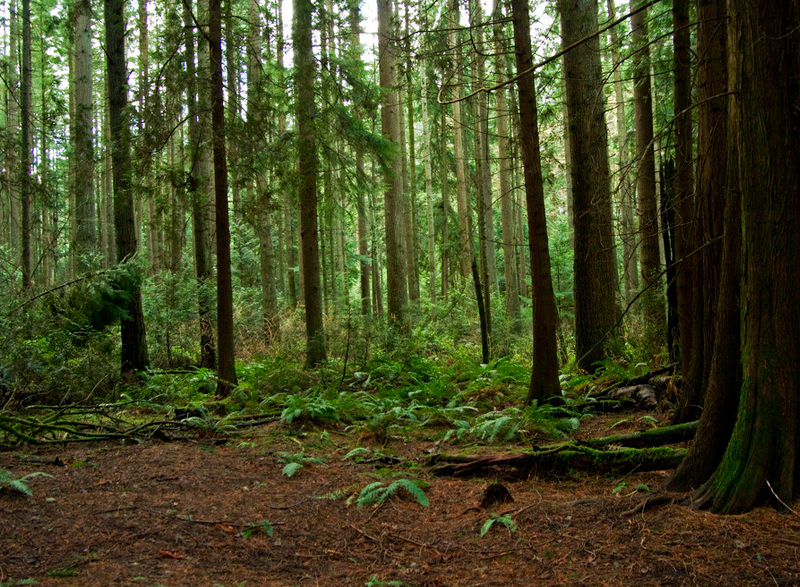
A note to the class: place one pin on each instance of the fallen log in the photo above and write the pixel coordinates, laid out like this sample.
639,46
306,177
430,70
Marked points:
568,457
648,438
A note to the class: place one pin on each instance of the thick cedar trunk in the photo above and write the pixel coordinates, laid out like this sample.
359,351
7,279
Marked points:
397,294
85,240
652,300
544,376
710,204
226,367
134,344
595,281
198,197
764,69
307,164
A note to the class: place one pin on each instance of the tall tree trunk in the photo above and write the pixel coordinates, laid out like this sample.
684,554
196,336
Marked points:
483,172
134,341
762,457
652,301
226,364
712,175
683,202
459,151
85,240
410,164
397,298
630,259
198,196
544,376
361,202
307,162
12,126
25,160
595,281
513,311
428,162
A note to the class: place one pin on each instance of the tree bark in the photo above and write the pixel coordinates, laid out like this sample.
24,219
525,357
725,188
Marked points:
513,311
307,163
85,240
459,151
762,456
397,294
25,160
134,342
712,176
652,300
197,192
226,362
595,279
683,199
630,258
544,384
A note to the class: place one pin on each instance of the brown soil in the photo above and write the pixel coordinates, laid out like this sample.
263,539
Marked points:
177,514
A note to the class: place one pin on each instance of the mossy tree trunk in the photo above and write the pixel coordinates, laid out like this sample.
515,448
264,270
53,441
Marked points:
764,67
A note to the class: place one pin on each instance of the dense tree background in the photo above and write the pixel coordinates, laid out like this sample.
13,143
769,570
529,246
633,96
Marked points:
580,192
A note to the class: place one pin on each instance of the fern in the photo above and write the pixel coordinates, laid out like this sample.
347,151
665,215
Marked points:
7,481
376,493
503,519
293,463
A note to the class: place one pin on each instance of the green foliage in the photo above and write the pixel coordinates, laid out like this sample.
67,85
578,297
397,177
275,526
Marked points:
503,519
294,462
514,423
377,492
19,485
262,526
14,583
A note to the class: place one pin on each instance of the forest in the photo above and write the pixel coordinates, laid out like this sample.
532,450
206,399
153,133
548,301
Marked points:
399,293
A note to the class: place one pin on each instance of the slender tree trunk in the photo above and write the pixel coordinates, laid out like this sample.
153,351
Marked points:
397,297
630,259
504,176
198,196
652,301
85,240
595,281
12,126
459,151
134,342
226,365
426,132
410,164
683,202
26,127
307,162
544,377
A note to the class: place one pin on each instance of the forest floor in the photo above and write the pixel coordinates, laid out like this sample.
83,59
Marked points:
190,514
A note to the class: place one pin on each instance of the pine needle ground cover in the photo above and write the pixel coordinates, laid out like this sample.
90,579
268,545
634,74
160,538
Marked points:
220,511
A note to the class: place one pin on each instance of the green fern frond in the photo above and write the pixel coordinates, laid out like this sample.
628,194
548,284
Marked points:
7,481
376,493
